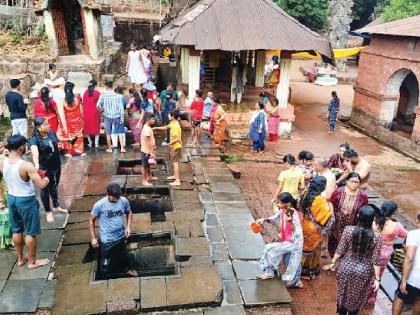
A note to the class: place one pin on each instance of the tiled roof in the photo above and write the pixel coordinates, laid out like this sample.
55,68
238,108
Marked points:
233,25
405,27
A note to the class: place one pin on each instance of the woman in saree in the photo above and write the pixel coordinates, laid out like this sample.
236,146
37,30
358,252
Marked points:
274,121
286,246
220,125
213,109
71,125
46,108
346,201
136,109
389,230
318,218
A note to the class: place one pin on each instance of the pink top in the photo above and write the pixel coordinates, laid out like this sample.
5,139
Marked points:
399,231
286,227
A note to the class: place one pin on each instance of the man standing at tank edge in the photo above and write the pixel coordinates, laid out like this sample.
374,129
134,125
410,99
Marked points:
24,217
17,108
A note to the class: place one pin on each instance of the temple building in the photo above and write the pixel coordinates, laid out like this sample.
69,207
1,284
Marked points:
387,88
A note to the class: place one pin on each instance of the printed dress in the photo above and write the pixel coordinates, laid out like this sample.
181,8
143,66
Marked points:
354,272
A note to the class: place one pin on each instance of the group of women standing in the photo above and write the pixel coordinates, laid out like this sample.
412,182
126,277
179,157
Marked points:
359,236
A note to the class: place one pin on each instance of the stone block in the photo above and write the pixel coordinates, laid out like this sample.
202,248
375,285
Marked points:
72,255
193,289
23,273
193,246
264,292
153,294
219,251
77,217
225,269
8,260
77,237
228,197
211,219
227,208
232,293
241,250
84,204
123,289
195,261
21,296
225,187
196,228
243,219
227,309
141,223
214,235
242,234
47,300
48,240
186,196
246,270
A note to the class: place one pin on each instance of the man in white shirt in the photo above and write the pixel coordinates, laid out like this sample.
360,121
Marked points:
409,288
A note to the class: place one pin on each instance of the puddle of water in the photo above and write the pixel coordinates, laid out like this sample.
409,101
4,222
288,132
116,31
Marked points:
149,254
155,201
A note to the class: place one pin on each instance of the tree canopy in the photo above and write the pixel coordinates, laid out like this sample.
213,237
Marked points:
400,9
313,14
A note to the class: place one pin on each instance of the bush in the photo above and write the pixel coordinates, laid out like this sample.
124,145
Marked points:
231,159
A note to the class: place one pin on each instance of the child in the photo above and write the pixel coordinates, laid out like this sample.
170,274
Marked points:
168,107
121,130
175,153
287,246
151,95
148,148
5,228
197,108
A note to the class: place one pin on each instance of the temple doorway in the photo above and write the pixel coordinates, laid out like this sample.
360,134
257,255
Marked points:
69,27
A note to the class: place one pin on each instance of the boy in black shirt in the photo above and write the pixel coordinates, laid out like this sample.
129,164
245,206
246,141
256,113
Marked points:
17,108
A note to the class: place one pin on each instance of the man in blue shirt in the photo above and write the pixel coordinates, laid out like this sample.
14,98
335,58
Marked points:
112,231
17,108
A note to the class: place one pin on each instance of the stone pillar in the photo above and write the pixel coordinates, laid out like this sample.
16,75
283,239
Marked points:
415,136
50,30
282,93
259,68
93,34
185,55
193,74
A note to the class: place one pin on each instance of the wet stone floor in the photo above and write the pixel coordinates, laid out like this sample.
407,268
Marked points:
191,245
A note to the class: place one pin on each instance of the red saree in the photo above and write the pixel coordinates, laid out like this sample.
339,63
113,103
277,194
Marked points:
40,111
71,128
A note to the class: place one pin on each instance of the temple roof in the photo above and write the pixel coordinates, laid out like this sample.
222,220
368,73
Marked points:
234,25
405,27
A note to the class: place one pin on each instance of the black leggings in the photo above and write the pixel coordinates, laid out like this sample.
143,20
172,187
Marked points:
52,189
343,311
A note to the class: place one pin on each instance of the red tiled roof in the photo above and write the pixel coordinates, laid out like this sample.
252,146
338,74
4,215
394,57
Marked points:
233,25
405,27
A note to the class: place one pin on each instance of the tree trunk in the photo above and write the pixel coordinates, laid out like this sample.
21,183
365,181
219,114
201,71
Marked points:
339,25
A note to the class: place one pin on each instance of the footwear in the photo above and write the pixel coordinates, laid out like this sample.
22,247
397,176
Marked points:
165,144
147,184
123,151
108,150
175,183
170,178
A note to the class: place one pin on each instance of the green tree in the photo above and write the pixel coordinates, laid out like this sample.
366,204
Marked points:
313,14
401,9
365,11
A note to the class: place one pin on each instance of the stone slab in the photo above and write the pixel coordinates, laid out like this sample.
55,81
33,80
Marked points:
23,273
222,171
153,294
83,205
206,196
8,260
193,246
77,217
77,237
2,284
196,261
71,255
264,292
221,178
123,289
48,240
185,206
196,228
232,293
236,219
15,290
226,208
60,220
211,220
141,223
96,184
225,269
219,251
225,187
210,207
186,196
48,295
241,234
214,235
241,250
228,197
246,270
224,310
193,289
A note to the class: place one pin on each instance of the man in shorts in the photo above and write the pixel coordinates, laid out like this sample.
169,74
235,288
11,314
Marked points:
19,176
409,288
148,148
175,143
111,211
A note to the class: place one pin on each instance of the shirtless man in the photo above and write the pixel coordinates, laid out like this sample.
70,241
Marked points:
321,169
19,176
357,164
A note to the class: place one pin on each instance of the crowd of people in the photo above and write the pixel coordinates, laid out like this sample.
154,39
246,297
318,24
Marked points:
320,201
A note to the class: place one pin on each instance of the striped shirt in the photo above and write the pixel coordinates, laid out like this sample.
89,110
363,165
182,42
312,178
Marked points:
110,103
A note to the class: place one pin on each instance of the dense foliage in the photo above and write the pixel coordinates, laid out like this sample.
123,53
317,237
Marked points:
365,11
400,9
313,14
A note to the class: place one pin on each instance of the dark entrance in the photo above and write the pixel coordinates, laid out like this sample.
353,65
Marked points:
69,27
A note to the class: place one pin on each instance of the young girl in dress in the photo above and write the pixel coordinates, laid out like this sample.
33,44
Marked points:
287,245
135,67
